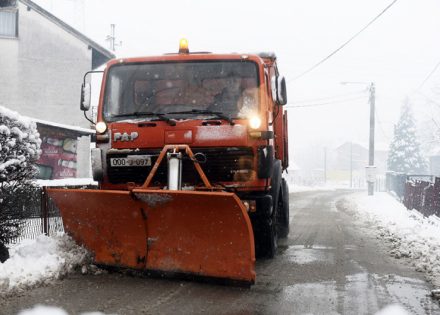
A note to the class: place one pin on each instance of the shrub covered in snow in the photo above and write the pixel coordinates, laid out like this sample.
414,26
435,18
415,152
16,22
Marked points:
19,150
19,146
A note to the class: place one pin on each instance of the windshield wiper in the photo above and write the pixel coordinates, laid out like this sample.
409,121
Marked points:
161,116
207,112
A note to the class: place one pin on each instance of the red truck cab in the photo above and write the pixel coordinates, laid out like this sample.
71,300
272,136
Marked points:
226,107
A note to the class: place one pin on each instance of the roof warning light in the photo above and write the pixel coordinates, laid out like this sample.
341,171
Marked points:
183,46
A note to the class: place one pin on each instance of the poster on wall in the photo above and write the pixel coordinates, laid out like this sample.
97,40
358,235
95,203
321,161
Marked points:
58,157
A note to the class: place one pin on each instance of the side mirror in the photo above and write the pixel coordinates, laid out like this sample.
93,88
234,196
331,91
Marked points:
86,96
281,91
273,84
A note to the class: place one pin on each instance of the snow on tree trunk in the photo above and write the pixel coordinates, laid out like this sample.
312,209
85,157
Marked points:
405,155
19,150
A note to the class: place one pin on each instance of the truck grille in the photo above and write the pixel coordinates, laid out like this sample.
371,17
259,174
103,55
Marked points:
222,165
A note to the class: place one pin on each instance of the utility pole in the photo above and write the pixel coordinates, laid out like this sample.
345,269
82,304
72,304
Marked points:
371,145
325,165
370,169
112,38
351,164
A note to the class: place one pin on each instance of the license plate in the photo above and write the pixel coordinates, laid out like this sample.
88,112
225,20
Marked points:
131,160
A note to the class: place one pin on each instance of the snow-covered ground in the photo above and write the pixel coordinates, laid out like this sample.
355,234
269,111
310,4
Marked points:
40,261
46,259
410,234
298,188
50,310
66,182
324,187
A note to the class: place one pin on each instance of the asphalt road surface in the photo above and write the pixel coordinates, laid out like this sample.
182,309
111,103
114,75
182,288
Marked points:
330,264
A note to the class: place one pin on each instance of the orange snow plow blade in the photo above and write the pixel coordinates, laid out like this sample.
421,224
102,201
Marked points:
206,234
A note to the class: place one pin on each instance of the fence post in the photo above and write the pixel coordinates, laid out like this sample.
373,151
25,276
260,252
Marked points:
44,211
436,196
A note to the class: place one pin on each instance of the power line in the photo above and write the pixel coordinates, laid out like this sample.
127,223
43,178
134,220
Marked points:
428,98
326,103
345,43
429,75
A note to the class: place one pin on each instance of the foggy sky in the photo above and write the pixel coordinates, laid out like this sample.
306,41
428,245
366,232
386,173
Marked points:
396,53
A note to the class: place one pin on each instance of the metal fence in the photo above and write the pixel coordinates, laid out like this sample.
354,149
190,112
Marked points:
420,192
424,196
41,216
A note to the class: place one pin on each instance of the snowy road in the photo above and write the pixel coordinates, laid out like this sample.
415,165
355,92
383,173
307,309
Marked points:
330,264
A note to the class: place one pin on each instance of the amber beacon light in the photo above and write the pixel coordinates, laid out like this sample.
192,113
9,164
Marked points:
183,46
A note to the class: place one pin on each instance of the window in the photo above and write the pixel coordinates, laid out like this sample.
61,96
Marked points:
181,89
8,22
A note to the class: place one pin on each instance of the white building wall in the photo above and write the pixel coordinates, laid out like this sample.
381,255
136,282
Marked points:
41,71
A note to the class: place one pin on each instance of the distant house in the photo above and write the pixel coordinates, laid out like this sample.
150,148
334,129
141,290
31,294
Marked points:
351,155
42,63
434,160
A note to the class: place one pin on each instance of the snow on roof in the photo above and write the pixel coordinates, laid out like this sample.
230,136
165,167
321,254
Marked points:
63,126
378,146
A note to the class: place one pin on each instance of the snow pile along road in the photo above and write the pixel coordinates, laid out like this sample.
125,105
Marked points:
410,234
40,261
50,310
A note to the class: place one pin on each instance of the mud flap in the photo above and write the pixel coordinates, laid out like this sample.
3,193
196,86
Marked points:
199,233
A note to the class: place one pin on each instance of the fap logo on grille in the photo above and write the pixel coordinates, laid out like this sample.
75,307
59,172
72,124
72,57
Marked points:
117,136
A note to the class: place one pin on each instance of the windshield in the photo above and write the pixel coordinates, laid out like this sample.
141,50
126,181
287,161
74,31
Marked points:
186,90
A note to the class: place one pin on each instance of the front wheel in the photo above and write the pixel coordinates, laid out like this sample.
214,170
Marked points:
283,210
266,236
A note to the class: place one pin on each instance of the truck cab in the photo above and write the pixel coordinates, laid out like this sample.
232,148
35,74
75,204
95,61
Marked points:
226,107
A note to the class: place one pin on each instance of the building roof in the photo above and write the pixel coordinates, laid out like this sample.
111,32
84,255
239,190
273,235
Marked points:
92,44
80,130
378,146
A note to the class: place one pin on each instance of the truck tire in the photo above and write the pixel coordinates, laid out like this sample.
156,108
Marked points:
266,239
266,234
276,183
283,210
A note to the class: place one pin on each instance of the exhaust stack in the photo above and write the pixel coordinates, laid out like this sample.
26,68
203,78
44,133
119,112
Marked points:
174,171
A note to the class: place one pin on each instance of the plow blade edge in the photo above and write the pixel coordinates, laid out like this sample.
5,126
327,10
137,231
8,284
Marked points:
207,234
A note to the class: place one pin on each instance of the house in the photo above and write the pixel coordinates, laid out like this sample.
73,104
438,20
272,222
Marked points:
42,63
355,156
350,155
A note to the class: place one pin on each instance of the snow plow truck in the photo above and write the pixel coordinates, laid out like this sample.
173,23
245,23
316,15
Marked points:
190,152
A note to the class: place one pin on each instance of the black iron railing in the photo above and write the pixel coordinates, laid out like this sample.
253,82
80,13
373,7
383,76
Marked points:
41,216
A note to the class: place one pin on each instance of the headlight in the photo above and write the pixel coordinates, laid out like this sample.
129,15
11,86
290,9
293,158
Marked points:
101,127
255,122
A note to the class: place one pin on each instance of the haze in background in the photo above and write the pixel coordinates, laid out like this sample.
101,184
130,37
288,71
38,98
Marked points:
397,53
